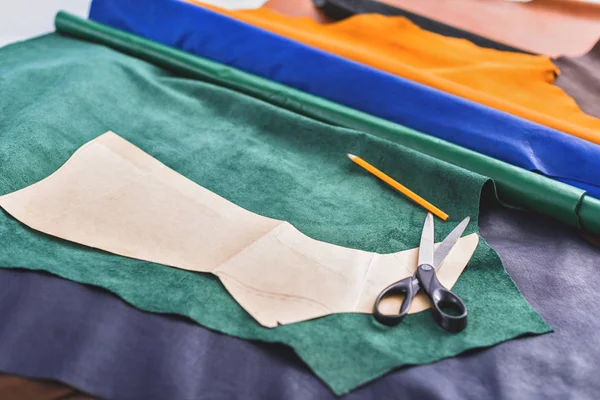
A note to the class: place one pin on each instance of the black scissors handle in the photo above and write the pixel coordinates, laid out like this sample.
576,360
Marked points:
442,299
408,287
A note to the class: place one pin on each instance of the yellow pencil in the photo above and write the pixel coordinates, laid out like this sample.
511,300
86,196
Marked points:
401,188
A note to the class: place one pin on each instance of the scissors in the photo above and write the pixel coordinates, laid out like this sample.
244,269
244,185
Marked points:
448,309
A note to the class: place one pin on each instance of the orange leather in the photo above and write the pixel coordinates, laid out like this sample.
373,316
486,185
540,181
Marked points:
519,84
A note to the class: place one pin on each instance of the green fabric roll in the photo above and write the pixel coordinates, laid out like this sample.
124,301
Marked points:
59,93
515,185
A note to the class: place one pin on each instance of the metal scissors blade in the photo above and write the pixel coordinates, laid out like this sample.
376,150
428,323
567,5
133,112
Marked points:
426,247
448,243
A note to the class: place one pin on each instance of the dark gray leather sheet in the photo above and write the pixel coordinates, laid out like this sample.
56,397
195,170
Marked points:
90,339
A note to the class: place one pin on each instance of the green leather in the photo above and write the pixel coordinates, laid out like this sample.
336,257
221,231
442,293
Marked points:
515,185
589,215
58,93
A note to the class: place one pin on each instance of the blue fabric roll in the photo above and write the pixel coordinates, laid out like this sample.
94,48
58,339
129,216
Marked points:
497,134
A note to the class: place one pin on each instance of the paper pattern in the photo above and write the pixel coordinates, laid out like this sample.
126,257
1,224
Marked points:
112,196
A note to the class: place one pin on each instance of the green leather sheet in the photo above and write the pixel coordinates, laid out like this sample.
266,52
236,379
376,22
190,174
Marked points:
515,185
60,92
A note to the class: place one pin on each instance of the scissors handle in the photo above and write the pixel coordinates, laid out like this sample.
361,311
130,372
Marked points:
442,299
404,287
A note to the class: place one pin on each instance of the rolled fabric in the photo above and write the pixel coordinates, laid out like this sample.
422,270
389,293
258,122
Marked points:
520,84
530,190
445,116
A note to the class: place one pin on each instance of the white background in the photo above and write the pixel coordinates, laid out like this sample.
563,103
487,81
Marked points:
23,19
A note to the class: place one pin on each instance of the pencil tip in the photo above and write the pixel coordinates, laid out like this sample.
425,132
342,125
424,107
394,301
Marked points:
351,156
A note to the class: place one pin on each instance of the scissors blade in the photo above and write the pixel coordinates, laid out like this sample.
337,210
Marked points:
426,247
448,243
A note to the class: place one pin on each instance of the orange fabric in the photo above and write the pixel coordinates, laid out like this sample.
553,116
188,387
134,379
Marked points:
519,84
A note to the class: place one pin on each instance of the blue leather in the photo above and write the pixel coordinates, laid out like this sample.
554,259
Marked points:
498,134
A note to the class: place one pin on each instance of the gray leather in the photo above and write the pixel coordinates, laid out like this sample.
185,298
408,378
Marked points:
580,78
87,338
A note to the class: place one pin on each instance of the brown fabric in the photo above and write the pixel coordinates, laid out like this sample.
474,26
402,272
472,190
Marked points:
580,78
549,27
593,240
17,388
297,8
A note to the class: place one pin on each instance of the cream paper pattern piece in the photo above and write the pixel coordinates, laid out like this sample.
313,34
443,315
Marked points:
112,196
